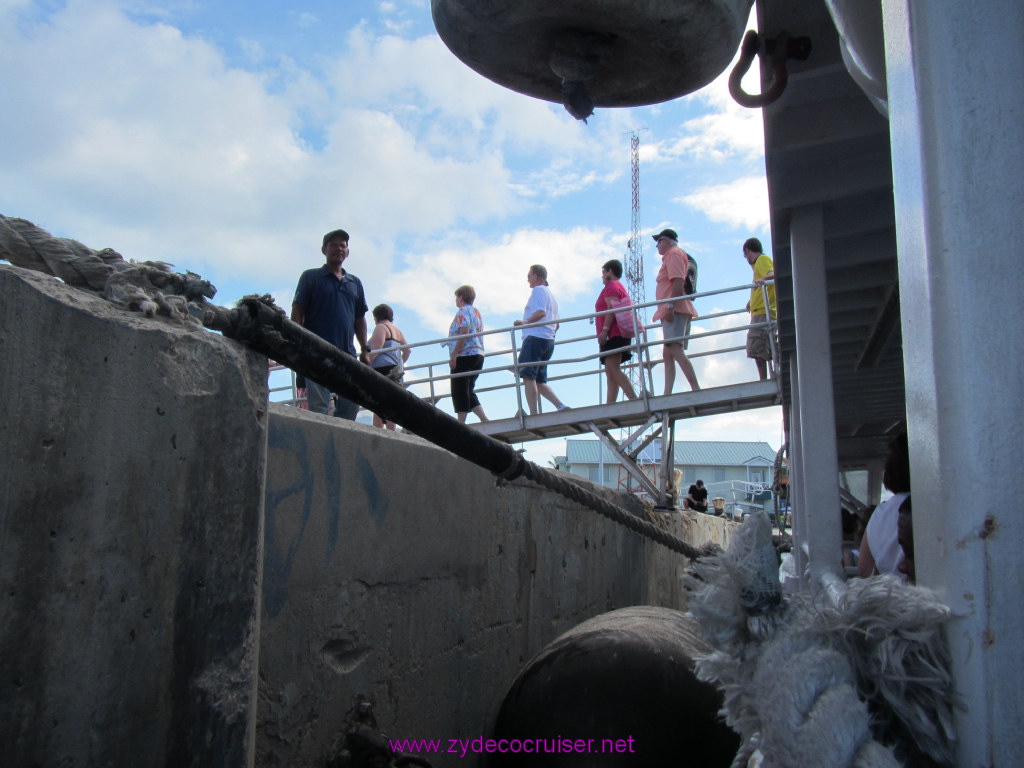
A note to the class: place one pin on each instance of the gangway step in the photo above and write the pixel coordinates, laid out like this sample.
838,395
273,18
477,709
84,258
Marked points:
631,413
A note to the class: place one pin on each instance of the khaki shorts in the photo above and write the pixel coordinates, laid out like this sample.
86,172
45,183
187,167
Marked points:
759,346
678,326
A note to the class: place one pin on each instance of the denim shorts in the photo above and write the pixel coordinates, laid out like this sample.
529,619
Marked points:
536,350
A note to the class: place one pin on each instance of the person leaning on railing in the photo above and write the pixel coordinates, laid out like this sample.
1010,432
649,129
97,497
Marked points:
759,346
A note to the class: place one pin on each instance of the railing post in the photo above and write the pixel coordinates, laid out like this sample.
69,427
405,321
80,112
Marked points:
773,342
643,359
668,430
640,349
650,366
515,373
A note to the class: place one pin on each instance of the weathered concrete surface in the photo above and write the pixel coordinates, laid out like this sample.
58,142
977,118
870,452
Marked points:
131,489
131,484
396,571
665,568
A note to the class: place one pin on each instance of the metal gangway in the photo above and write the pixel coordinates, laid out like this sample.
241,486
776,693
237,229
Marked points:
576,359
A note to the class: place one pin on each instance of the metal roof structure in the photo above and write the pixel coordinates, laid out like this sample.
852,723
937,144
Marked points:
827,145
887,341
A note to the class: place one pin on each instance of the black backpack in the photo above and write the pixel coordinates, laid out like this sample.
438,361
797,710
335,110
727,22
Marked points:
690,284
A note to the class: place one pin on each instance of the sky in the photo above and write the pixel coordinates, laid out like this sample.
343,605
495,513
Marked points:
226,137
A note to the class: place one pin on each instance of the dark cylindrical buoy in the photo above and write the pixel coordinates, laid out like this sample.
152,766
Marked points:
617,690
622,53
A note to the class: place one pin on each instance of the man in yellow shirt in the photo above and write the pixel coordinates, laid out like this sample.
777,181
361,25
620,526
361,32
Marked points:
759,346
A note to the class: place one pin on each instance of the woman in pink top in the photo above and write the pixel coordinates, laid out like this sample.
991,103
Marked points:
610,336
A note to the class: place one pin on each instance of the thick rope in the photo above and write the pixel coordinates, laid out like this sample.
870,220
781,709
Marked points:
559,484
149,287
263,327
858,678
152,288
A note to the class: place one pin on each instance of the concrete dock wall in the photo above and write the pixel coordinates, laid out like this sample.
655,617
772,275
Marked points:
400,573
168,540
131,487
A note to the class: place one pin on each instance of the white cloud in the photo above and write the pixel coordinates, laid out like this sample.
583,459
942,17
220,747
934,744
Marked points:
155,131
741,204
452,110
157,146
498,271
723,141
158,135
742,426
723,129
727,130
458,108
13,5
716,159
719,135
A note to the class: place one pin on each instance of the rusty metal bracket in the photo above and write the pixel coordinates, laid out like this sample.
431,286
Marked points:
777,50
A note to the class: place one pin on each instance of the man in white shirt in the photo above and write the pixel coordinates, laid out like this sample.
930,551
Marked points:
539,341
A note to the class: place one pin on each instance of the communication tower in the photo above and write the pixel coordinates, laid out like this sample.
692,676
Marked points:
634,261
633,275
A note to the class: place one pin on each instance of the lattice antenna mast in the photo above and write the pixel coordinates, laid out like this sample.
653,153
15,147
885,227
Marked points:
634,262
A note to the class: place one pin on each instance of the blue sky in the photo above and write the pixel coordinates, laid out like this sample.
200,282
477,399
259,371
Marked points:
226,137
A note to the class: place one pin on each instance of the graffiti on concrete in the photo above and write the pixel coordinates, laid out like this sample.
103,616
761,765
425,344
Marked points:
312,489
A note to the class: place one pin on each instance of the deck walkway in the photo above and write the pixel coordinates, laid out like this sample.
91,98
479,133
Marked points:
648,418
634,413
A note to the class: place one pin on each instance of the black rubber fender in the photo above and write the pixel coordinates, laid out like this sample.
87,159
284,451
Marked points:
618,689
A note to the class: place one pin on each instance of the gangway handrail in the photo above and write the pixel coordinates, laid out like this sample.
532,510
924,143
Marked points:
584,358
640,345
442,341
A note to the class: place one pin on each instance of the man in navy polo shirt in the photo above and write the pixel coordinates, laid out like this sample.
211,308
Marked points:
329,302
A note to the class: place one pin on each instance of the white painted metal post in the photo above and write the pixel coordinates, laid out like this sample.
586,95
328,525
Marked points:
668,432
956,106
822,524
797,498
876,469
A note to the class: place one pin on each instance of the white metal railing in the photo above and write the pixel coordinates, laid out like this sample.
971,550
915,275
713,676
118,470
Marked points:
575,355
278,384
